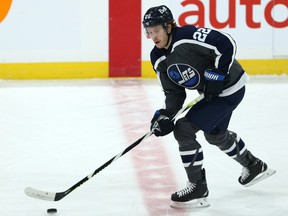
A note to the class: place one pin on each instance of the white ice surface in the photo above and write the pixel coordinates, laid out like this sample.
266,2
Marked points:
54,133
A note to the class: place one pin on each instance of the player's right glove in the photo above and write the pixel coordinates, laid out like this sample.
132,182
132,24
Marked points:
213,84
161,123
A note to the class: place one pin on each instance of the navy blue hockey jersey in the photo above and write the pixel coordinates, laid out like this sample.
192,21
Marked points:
191,52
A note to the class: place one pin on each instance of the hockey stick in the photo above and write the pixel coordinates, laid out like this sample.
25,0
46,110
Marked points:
56,196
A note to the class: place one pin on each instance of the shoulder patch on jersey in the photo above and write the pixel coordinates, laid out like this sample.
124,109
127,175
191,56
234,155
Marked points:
184,75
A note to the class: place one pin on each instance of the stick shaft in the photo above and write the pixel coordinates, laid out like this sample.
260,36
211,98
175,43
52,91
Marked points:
50,196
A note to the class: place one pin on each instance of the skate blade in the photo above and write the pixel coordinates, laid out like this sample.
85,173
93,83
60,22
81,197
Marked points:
266,174
197,203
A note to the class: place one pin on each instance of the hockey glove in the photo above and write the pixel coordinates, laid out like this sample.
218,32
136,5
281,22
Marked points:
213,84
161,123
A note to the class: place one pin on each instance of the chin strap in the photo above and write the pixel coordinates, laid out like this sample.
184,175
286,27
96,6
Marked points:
169,35
165,25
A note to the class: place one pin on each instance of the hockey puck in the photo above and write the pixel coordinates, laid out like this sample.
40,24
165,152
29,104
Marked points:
51,210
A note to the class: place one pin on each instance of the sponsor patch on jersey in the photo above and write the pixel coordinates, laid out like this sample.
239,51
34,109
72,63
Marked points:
184,75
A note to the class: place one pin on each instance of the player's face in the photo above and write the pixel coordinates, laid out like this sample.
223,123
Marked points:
158,34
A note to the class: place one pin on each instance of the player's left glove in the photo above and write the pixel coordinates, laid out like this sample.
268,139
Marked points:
213,84
161,123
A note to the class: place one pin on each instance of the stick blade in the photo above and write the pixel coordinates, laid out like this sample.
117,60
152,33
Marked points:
37,194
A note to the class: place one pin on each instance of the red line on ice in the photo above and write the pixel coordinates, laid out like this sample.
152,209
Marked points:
152,166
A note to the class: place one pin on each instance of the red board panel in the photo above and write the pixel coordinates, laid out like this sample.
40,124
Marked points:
125,38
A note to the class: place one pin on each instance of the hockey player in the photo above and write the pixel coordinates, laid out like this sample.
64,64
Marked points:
202,59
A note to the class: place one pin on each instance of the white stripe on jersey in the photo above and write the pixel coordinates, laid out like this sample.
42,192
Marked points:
234,48
237,86
209,46
158,61
191,41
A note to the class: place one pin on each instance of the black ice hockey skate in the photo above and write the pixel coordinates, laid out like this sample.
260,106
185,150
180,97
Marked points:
193,196
255,172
